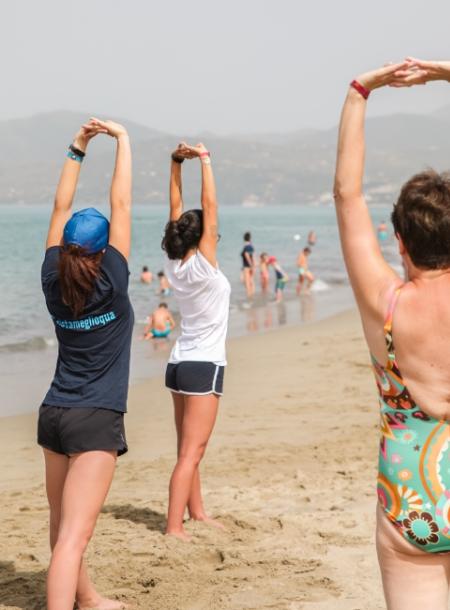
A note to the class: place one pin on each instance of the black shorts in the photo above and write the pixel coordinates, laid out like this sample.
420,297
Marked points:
196,378
71,430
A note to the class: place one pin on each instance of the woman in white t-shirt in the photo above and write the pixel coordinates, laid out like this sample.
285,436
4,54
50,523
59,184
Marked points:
196,366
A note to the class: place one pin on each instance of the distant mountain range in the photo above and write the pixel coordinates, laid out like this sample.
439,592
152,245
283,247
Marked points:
295,168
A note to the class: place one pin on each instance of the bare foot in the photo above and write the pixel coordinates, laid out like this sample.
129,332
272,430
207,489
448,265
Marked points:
104,604
210,521
181,535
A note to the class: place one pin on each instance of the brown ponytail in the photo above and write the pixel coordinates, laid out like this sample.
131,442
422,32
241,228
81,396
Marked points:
77,274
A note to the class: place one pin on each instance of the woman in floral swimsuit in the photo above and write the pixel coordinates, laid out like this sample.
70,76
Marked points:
407,329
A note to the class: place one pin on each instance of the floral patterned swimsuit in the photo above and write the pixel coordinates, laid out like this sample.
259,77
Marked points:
414,461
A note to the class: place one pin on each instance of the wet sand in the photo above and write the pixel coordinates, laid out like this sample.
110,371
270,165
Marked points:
290,472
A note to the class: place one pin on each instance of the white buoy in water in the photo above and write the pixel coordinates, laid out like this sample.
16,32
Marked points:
297,237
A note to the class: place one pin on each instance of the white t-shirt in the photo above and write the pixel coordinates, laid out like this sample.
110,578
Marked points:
203,296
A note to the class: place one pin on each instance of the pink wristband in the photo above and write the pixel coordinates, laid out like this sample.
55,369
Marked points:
204,154
360,89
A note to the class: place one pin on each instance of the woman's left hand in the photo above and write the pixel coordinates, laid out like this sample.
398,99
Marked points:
382,77
420,72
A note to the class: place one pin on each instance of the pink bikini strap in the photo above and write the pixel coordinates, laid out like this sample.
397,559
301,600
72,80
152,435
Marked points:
390,312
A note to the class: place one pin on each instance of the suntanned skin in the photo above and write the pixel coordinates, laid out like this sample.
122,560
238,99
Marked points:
77,485
158,321
195,416
302,261
249,274
163,284
264,273
146,277
412,578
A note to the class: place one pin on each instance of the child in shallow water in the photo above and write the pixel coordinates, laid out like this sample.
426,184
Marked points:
164,286
280,276
160,323
264,272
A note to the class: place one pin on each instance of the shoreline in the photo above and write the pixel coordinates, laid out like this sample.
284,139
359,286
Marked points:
290,471
149,358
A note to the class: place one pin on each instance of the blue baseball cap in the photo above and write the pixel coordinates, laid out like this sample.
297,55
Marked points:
88,229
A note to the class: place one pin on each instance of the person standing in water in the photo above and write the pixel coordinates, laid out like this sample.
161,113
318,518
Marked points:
312,238
164,286
407,328
281,278
304,274
81,420
248,265
264,272
160,323
196,367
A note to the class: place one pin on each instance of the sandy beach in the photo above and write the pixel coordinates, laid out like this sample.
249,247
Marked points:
290,472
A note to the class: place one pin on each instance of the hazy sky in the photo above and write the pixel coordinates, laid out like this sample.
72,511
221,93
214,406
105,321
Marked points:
186,66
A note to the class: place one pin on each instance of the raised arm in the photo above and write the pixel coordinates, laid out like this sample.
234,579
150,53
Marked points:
210,235
120,194
176,197
369,273
62,207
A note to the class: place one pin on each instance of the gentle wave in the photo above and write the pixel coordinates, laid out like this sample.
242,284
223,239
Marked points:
319,286
35,343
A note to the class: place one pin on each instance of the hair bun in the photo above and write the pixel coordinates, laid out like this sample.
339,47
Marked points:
183,234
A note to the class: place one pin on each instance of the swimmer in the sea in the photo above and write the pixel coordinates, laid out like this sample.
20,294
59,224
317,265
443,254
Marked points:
312,238
164,286
382,231
146,275
303,271
160,323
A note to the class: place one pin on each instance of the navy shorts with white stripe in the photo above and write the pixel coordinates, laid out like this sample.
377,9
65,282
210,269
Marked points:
195,378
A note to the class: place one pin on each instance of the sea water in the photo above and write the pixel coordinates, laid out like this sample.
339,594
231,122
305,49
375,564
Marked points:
27,343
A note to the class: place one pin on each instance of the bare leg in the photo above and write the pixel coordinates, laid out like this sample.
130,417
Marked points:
56,468
310,280
86,484
195,502
249,282
264,285
194,417
412,579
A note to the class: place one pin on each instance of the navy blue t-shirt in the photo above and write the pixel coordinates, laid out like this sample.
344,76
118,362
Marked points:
93,363
248,249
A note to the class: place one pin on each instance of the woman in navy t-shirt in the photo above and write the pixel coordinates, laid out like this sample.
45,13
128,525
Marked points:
248,265
81,428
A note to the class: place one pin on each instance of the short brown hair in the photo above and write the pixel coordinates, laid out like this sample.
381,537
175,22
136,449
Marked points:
421,217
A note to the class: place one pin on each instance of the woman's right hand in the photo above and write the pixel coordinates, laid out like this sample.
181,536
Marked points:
115,130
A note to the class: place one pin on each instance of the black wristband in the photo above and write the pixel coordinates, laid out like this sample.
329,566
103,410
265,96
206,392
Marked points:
77,151
177,159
